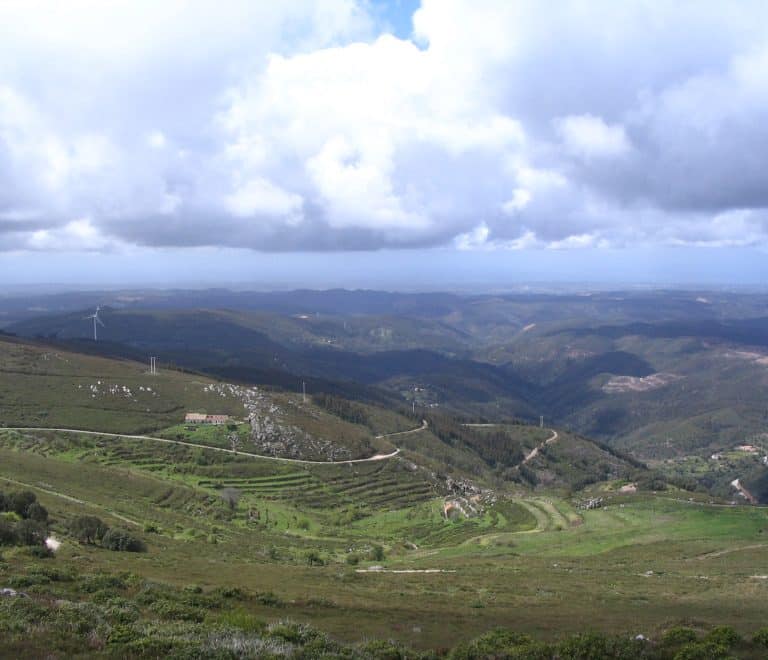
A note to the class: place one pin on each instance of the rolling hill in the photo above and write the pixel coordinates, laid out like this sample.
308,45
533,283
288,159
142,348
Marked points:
657,374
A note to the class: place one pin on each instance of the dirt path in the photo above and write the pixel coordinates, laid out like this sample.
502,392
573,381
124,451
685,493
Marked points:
749,497
403,570
531,454
377,457
423,427
727,551
69,498
535,451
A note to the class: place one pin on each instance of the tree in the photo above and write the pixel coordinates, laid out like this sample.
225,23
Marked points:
314,558
231,497
7,533
31,532
88,529
121,540
377,553
37,512
21,501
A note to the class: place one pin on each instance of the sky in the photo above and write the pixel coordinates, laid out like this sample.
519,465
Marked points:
399,144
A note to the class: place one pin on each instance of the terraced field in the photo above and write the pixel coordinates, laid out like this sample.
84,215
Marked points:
271,487
385,485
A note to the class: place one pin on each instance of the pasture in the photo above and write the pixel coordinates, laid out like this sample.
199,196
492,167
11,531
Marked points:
531,562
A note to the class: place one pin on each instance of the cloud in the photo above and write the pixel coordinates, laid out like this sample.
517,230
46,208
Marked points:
304,125
585,136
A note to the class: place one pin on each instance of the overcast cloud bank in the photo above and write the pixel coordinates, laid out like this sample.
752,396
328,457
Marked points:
304,125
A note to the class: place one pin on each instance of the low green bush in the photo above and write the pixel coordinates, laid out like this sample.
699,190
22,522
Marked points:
761,638
168,609
31,532
678,636
704,651
723,636
122,541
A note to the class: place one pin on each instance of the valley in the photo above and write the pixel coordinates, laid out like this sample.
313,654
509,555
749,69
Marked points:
370,511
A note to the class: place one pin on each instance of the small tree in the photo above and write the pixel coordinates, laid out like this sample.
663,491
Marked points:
30,532
37,512
88,529
121,540
21,501
231,497
314,558
7,533
377,553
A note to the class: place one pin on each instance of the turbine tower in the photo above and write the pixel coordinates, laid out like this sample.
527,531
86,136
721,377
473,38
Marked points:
96,319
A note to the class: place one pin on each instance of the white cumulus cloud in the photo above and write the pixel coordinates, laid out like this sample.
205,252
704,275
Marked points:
305,125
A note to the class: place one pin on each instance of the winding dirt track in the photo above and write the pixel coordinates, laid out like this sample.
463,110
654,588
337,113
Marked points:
531,454
377,457
535,451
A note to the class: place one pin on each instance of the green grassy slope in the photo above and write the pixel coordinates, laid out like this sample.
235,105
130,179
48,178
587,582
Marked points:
532,563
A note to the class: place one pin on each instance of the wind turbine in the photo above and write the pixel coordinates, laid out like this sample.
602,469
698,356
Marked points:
96,319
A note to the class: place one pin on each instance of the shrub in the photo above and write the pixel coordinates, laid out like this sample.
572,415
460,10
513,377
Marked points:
295,633
30,532
231,497
41,552
269,598
122,634
314,558
37,512
88,529
7,534
678,636
21,501
168,609
101,582
377,553
231,592
380,649
584,646
703,651
724,636
122,541
353,559
761,637
25,581
498,641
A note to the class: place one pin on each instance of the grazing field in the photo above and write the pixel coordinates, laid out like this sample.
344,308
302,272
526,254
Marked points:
535,563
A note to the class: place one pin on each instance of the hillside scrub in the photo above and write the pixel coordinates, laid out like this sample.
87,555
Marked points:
24,521
102,615
91,530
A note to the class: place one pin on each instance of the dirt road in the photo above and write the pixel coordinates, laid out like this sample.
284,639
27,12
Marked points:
377,457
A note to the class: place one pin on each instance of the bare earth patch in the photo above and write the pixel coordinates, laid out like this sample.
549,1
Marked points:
751,356
620,384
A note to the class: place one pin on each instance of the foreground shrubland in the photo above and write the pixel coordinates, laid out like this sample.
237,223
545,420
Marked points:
51,610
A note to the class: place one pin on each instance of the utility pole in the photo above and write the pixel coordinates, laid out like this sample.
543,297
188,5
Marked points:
153,365
303,391
414,406
541,421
